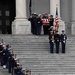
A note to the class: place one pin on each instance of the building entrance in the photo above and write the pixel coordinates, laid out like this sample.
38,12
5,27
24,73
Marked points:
7,15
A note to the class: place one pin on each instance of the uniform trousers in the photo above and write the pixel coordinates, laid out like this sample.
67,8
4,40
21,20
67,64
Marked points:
63,47
51,47
57,47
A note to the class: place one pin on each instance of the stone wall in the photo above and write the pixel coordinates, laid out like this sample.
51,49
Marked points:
39,6
66,10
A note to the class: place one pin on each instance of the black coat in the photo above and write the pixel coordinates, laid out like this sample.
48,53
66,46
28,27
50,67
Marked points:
63,37
57,38
51,38
51,21
31,20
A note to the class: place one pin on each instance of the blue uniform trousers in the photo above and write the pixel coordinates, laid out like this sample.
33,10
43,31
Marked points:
63,47
38,29
51,47
57,47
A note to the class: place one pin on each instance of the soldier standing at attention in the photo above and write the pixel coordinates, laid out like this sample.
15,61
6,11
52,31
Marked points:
57,41
51,21
51,39
63,38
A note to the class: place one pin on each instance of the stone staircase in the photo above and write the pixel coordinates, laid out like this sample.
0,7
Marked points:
33,52
4,71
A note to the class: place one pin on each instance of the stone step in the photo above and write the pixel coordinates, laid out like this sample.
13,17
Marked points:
33,53
4,71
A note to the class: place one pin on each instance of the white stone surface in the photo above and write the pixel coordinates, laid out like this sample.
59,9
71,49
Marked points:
61,26
73,28
52,7
21,9
21,26
53,4
73,10
73,18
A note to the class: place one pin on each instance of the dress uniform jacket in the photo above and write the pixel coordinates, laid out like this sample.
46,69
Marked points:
51,39
63,42
51,21
63,37
57,42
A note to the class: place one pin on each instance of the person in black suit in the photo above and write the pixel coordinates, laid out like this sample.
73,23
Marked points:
38,26
57,41
33,26
63,38
51,21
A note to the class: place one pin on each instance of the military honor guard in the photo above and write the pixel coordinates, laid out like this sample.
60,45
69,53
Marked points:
51,39
57,41
51,21
50,29
63,38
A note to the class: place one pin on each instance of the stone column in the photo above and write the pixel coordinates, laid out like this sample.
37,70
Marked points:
73,17
21,25
20,9
53,5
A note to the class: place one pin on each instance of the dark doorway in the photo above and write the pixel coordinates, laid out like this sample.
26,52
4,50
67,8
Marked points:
7,15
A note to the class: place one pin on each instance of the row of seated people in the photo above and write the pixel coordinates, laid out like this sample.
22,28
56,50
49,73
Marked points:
8,60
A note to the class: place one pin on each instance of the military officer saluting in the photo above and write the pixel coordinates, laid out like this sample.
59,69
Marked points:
63,38
57,41
51,39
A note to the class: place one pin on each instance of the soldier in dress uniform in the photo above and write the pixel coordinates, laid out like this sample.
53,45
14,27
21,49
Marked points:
57,41
50,29
51,20
51,39
63,38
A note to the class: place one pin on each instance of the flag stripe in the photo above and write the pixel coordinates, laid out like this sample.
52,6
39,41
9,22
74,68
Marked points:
56,20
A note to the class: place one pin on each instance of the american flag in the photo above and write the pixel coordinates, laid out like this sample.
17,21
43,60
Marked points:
56,20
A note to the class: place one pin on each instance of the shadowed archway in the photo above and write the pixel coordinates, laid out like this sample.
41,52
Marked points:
7,15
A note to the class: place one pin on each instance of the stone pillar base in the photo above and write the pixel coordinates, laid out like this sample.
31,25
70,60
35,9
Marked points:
61,26
73,28
21,26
